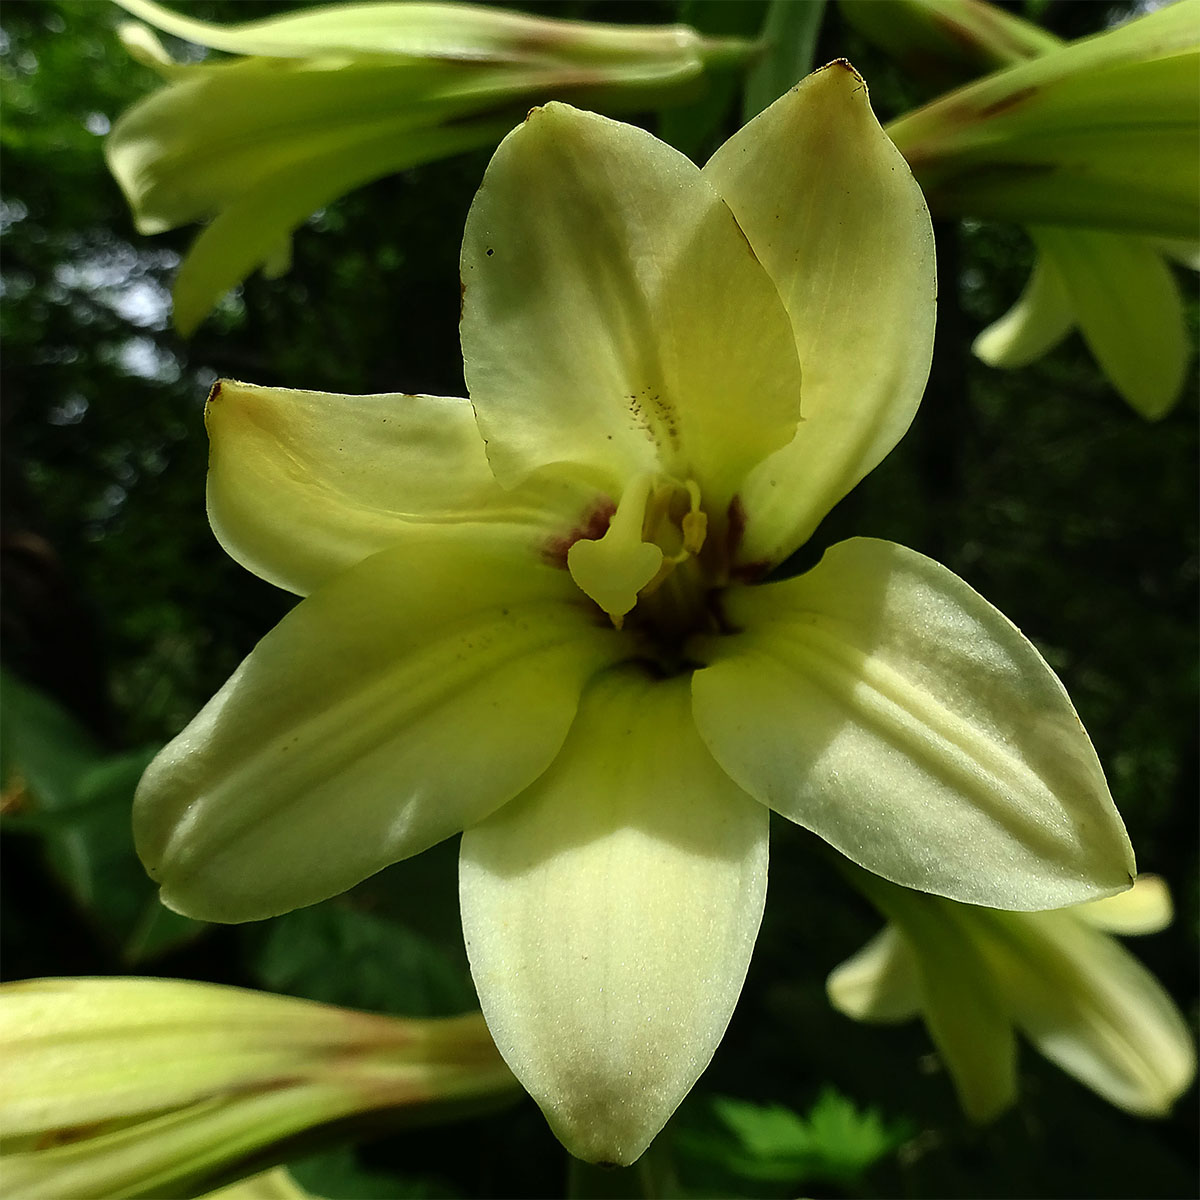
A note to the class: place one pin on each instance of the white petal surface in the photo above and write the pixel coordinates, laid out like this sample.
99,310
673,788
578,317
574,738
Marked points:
302,485
408,697
613,314
610,913
880,702
1092,1008
834,215
1040,319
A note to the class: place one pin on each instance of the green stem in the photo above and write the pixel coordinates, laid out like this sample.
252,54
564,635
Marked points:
730,51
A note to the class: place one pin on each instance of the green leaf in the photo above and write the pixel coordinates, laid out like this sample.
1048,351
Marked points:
337,954
77,798
338,1175
43,750
738,1143
790,33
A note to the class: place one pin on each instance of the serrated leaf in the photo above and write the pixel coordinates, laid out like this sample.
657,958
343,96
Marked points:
739,1143
77,799
337,954
338,1175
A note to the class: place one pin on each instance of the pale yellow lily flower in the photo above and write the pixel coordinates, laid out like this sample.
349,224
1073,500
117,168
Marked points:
122,1088
1093,146
977,976
543,615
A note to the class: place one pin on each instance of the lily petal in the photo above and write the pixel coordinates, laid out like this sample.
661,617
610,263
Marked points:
406,698
1092,1008
1145,908
878,984
613,314
1129,312
302,485
616,904
833,213
965,1013
883,704
1184,251
1040,319
247,234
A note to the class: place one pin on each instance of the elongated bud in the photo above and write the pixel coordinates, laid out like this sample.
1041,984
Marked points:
149,1087
325,100
1102,133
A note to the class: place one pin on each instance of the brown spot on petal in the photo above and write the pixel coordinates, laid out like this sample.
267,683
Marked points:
841,64
735,527
64,1137
1005,103
750,572
593,525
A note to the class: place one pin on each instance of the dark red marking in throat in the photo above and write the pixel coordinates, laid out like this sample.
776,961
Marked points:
594,525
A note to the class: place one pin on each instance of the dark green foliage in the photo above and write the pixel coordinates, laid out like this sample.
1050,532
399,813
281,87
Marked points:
1041,488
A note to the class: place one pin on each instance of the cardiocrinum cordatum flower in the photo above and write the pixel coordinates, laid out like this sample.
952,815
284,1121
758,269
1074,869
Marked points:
977,976
544,615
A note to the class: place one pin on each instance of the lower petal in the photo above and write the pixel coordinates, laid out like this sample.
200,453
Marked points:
1040,319
880,702
879,984
964,1010
1090,1007
1129,311
403,700
1145,908
610,914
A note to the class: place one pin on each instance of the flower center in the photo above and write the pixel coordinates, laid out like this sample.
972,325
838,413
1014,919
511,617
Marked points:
649,562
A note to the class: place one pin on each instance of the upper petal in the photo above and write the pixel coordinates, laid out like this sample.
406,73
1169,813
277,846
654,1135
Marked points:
610,913
302,485
882,703
409,696
613,314
834,215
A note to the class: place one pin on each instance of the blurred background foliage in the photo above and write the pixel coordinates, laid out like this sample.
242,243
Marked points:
121,616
